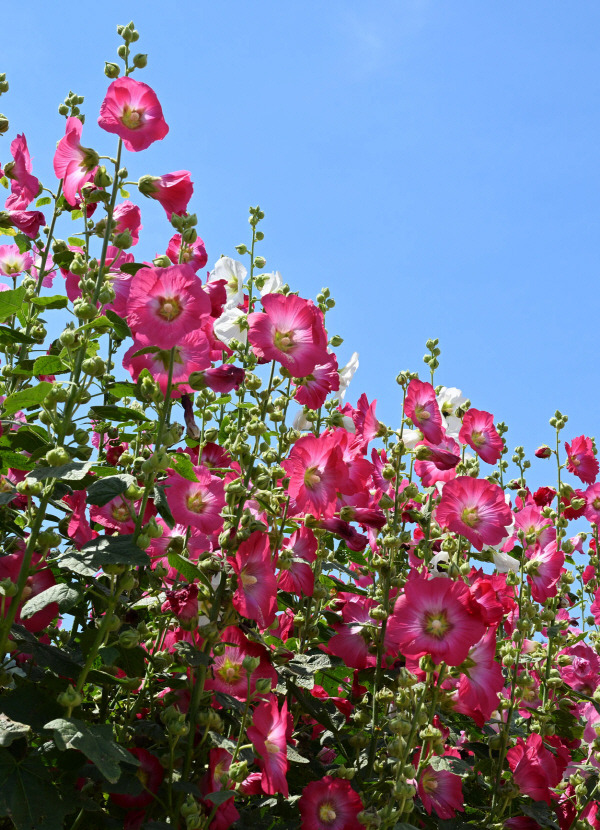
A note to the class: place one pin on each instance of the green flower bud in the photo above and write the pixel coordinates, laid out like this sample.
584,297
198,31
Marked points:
70,698
259,262
140,60
102,177
123,240
111,70
57,456
4,124
129,638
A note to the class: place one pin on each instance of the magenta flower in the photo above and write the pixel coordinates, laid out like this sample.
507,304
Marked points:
268,733
543,571
24,186
164,304
295,563
330,804
39,580
440,790
482,681
536,770
355,635
193,254
73,163
592,504
476,509
422,408
197,503
289,331
317,471
128,218
228,672
439,463
312,390
192,354
479,432
173,190
256,594
583,672
581,459
437,617
131,110
28,221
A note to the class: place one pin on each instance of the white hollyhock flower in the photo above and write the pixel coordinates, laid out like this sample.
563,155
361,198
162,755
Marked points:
411,437
234,274
227,327
346,374
273,284
449,399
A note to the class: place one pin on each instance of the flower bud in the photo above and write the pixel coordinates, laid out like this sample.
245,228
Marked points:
259,262
140,60
129,638
57,456
111,70
70,698
4,124
102,177
543,452
263,685
123,240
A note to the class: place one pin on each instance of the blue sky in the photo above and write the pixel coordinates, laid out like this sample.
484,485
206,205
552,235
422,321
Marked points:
434,164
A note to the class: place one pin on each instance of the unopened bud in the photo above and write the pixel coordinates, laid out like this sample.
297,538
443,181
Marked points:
111,70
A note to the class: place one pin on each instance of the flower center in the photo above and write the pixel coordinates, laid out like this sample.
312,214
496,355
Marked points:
429,784
247,579
478,438
133,119
120,512
284,341
195,502
272,747
596,503
312,477
169,308
12,268
230,672
436,624
421,414
186,253
327,812
470,516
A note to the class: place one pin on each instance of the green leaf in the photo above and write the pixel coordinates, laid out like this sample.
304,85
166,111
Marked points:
23,242
32,396
12,730
122,389
132,267
295,756
101,322
75,214
122,414
185,567
30,703
64,259
132,661
191,656
114,550
95,741
43,200
49,364
76,242
73,471
219,797
183,466
11,336
11,302
27,795
162,505
101,492
63,594
56,301
120,326
124,193
146,350
16,461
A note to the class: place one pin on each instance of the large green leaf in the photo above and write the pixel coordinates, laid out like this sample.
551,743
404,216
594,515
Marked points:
114,550
95,741
111,412
105,489
121,329
73,471
63,594
31,396
12,730
11,302
49,364
27,795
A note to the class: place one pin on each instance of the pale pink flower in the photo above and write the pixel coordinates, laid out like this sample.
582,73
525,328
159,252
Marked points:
12,262
227,671
479,432
440,462
422,408
132,111
73,163
476,509
592,504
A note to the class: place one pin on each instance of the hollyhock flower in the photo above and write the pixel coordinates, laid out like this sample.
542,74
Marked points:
289,331
581,460
39,580
312,390
227,670
23,185
354,639
543,571
353,539
543,452
544,496
228,328
128,218
536,770
583,672
150,772
27,221
221,379
437,617
440,790
191,355
476,509
531,522
131,110
197,503
481,681
164,304
449,400
269,283
193,254
521,823
295,563
172,190
79,529
316,472
479,432
268,733
117,514
183,604
592,503
219,761
366,425
570,512
73,163
13,262
330,804
439,463
256,594
421,407
233,274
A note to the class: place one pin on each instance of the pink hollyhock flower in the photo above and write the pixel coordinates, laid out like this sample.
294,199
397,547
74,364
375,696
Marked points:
543,571
330,804
79,529
481,681
592,502
533,524
536,770
256,594
197,503
13,262
312,390
191,355
183,604
150,772
219,761
164,304
131,110
117,514
479,432
24,186
583,672
316,472
221,379
355,635
227,670
193,254
172,190
128,218
268,733
437,617
289,332
295,563
421,406
440,790
581,460
476,509
440,461
40,579
27,221
73,163
569,512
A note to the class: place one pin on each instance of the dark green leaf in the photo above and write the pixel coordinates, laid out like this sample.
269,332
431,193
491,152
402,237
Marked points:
105,489
120,326
64,595
32,396
28,796
10,302
220,796
11,336
162,505
6,498
31,704
146,350
110,412
64,259
186,568
114,550
295,756
49,364
132,661
56,301
95,741
12,730
122,390
73,471
132,267
191,656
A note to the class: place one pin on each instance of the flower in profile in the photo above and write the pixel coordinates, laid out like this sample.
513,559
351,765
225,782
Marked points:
476,509
27,221
128,218
132,111
256,594
73,163
172,190
164,304
581,460
421,406
193,253
295,563
13,262
24,186
481,681
438,617
312,390
536,771
437,463
479,432
197,503
233,274
440,790
290,332
330,804
355,636
40,579
268,733
543,568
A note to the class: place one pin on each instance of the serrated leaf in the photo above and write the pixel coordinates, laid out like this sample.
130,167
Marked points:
122,414
64,595
181,463
162,505
32,396
11,730
120,326
73,471
16,461
114,550
10,302
27,795
186,568
219,797
101,492
295,756
56,301
122,389
49,364
95,741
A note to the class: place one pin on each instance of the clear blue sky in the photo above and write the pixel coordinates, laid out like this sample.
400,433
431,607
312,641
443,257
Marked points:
434,163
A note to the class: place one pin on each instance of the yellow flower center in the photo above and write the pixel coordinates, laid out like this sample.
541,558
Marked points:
421,414
312,477
169,308
195,503
133,119
120,512
470,516
272,747
230,672
284,340
478,439
436,624
248,579
326,812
